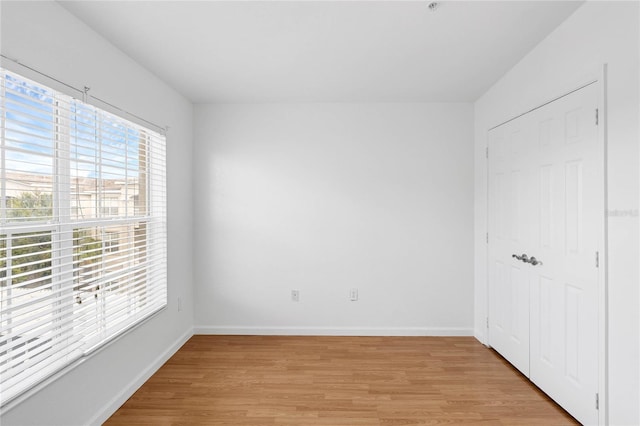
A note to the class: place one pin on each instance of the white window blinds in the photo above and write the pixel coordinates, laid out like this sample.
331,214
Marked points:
82,230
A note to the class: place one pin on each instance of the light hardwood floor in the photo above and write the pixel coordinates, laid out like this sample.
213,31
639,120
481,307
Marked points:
294,380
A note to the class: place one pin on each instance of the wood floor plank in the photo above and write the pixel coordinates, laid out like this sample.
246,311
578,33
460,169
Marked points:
330,380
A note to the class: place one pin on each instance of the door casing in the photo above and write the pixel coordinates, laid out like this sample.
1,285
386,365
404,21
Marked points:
598,76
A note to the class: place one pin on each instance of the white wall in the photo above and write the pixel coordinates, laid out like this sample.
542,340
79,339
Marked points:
326,197
44,36
597,33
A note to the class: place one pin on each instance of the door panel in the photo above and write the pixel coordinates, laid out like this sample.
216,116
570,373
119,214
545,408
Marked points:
573,210
519,283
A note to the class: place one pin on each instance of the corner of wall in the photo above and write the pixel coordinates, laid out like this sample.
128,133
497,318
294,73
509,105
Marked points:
126,393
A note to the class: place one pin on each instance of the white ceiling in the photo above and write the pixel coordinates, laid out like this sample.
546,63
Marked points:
316,51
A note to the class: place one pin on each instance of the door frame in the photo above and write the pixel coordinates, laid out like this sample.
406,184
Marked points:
598,76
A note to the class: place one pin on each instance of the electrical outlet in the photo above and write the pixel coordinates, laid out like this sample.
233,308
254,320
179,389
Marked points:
295,295
353,294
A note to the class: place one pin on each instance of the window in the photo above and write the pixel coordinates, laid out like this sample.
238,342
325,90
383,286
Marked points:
111,241
82,230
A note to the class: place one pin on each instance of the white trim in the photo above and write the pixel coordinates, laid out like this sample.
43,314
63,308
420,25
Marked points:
126,393
603,270
333,331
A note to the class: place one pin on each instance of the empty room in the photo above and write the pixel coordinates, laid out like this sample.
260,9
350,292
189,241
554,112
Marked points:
319,212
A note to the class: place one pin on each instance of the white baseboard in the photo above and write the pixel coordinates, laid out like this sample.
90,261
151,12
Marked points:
334,331
139,380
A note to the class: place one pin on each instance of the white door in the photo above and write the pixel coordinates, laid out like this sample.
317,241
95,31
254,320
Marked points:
509,229
546,200
564,289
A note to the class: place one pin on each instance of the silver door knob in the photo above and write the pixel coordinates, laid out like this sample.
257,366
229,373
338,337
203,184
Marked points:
524,258
534,261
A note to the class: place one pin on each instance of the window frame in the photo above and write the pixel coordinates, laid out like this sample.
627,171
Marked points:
62,226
